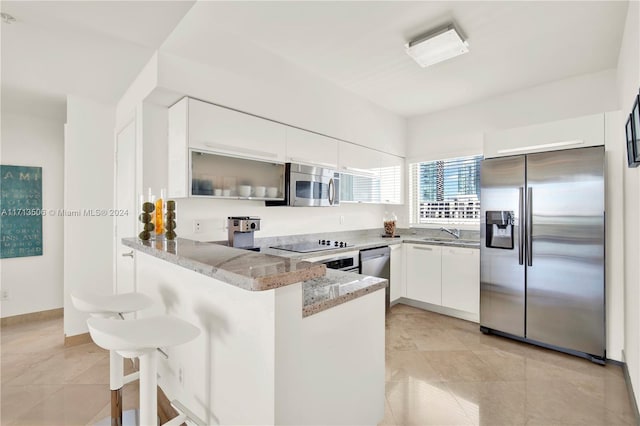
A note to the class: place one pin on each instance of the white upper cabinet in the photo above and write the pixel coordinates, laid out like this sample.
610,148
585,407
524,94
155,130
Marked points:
311,148
358,159
217,129
563,134
369,175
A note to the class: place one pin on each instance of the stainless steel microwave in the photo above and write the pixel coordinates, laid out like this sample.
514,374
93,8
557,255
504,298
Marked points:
309,186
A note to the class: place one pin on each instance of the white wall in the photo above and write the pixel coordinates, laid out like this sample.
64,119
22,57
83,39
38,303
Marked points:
88,180
275,220
628,85
36,283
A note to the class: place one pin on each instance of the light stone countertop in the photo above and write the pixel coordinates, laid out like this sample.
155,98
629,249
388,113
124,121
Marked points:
242,268
335,288
271,268
366,242
321,288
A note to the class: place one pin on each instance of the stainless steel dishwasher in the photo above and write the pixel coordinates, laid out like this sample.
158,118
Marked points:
376,262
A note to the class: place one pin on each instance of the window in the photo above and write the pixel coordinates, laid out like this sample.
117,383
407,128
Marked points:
445,191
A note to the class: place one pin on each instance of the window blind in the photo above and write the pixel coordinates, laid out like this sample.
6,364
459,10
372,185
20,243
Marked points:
445,191
381,185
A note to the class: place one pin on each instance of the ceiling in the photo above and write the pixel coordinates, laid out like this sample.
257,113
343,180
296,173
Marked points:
360,45
95,49
84,48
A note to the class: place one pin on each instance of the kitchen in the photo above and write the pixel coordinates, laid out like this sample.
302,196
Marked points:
207,68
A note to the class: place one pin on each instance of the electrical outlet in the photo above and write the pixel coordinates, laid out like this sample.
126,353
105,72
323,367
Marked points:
341,220
180,376
4,295
197,226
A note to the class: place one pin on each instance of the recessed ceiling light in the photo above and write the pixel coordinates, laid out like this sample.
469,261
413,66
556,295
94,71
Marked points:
437,46
6,18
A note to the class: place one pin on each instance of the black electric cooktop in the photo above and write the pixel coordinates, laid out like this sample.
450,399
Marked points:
311,246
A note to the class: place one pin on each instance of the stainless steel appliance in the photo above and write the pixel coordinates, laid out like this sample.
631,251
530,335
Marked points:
312,246
542,249
346,263
309,186
376,262
240,231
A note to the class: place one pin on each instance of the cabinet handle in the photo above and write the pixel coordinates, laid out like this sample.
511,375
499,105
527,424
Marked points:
130,254
462,251
248,151
423,248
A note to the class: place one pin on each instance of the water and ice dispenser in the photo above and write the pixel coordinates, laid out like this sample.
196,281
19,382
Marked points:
499,233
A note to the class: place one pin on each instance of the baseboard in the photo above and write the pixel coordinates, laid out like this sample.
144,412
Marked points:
78,339
31,317
632,396
467,316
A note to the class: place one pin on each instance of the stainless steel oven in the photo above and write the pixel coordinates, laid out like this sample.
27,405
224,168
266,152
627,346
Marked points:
346,263
310,186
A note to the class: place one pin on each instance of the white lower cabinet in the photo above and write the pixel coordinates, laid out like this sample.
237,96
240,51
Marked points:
461,279
424,273
397,281
447,277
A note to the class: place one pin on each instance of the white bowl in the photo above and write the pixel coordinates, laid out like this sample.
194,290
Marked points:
272,192
259,191
244,190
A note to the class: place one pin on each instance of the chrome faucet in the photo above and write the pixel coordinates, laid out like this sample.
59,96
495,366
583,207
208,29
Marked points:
455,232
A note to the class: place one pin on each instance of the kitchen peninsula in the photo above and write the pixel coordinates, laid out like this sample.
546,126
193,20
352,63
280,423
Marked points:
283,341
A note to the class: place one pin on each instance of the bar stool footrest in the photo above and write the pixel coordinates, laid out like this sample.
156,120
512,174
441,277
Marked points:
186,414
131,377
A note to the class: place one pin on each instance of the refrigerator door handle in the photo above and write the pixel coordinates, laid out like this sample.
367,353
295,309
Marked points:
529,226
521,227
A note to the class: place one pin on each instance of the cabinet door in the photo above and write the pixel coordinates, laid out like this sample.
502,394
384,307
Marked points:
424,273
397,282
461,279
213,128
582,131
370,175
356,158
311,148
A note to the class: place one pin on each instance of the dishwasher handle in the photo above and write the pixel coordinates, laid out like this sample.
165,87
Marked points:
374,253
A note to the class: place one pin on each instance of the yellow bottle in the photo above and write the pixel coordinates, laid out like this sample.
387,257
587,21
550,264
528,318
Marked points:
160,214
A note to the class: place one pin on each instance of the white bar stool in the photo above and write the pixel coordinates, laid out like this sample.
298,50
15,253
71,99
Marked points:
141,338
113,306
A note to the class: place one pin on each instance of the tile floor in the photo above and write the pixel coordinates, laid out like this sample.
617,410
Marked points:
444,371
440,371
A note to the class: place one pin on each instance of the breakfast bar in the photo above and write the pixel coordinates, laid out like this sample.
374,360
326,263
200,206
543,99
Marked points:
283,341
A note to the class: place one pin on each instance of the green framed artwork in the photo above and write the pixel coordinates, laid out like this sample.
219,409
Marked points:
20,211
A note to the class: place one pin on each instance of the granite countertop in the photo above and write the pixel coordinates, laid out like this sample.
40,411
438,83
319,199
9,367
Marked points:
335,288
366,242
245,269
272,268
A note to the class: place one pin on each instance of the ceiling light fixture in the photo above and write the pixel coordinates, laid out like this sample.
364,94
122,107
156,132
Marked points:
6,18
437,46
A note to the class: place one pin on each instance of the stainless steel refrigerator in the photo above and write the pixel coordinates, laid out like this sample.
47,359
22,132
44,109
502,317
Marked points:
542,276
